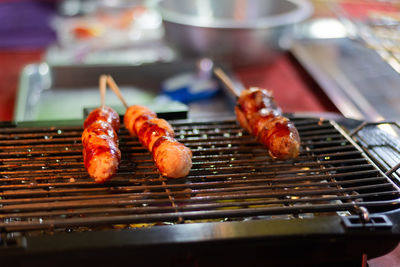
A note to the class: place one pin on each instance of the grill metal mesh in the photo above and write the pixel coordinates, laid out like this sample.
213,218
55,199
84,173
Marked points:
44,186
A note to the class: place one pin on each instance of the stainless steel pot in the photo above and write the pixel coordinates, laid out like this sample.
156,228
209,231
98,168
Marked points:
240,32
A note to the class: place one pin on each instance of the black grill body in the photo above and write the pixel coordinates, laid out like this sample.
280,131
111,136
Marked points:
237,205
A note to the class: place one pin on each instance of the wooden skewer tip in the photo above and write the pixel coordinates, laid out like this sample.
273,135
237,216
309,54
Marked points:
102,88
116,90
226,81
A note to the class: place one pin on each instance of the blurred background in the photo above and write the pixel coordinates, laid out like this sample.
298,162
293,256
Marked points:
319,56
297,45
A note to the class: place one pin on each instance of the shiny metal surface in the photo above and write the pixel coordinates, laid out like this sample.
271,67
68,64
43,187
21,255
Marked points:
354,77
239,32
355,61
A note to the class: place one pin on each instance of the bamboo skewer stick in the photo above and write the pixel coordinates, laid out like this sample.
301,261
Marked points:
226,81
103,88
116,90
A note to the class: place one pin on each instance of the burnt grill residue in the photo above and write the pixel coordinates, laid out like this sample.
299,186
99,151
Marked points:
44,185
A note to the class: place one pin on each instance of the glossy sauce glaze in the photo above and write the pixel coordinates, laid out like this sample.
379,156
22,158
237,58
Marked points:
172,158
258,113
103,145
137,125
106,114
98,128
153,129
131,115
101,154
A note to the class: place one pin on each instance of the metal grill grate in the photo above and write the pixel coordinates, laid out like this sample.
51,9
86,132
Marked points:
44,186
378,29
381,141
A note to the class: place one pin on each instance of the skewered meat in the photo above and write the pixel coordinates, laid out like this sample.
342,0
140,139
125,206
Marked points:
172,158
132,115
104,113
153,129
100,144
98,128
101,157
257,112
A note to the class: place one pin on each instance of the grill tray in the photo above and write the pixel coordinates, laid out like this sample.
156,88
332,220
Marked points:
233,186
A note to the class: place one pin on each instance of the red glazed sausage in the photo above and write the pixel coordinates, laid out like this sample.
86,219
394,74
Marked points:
172,158
100,144
258,113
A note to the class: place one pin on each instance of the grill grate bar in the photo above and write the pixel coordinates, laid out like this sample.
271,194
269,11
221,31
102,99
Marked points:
261,154
268,194
40,167
319,132
331,149
44,146
263,157
92,208
367,173
5,144
49,130
52,141
73,206
248,188
77,148
191,215
288,172
44,167
327,137
78,160
261,163
123,202
50,158
41,136
240,175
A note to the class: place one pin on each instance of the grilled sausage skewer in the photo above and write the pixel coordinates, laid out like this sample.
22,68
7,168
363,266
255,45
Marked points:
172,158
258,113
100,141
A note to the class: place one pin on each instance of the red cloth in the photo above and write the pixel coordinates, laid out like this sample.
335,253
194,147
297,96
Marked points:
12,63
362,9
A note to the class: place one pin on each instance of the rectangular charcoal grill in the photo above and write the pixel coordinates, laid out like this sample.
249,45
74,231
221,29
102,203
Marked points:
237,204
